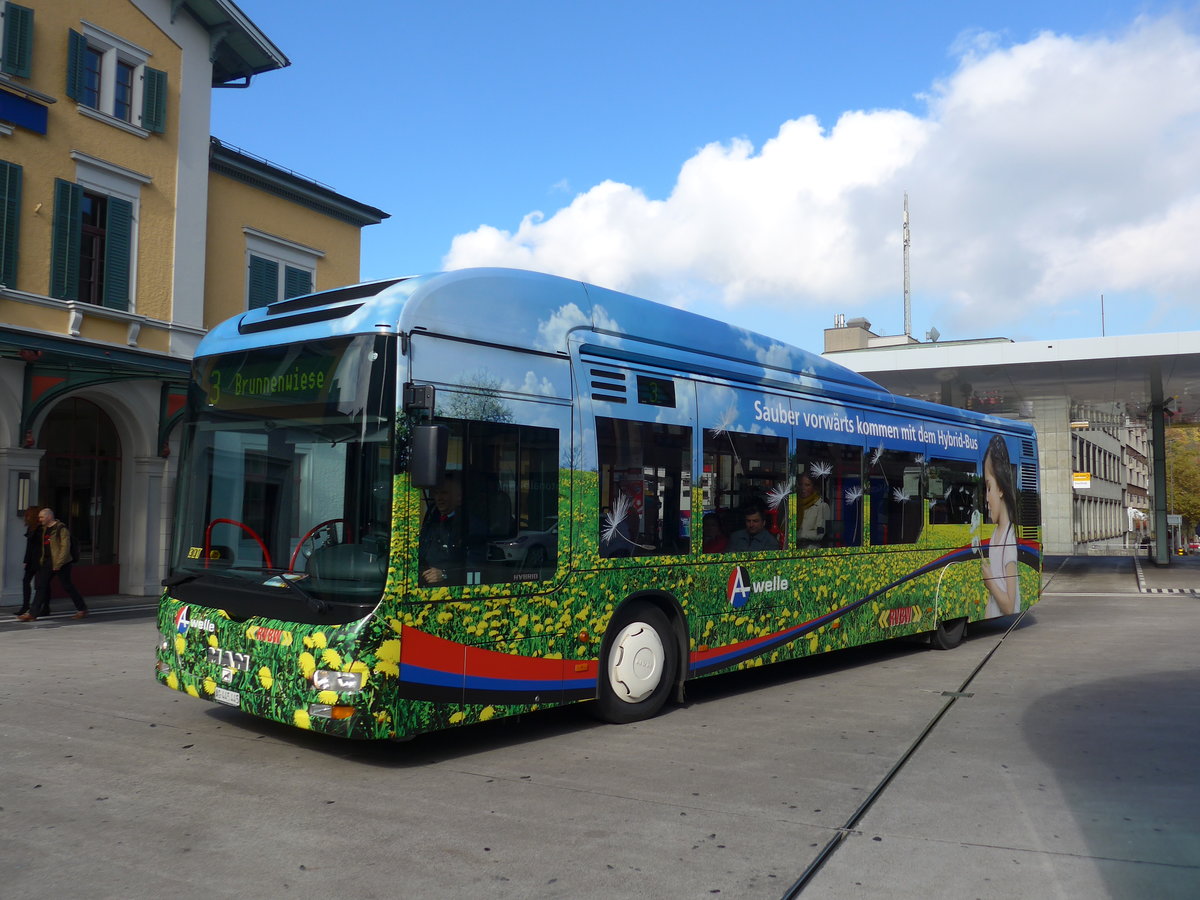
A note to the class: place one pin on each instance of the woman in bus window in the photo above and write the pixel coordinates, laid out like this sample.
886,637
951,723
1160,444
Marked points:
999,567
814,513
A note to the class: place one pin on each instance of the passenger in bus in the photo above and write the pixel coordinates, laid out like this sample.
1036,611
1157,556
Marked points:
452,543
715,540
755,535
1000,565
814,513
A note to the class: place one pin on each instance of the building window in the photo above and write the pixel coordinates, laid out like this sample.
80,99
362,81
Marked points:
92,247
93,71
266,286
110,76
17,48
10,231
277,269
123,91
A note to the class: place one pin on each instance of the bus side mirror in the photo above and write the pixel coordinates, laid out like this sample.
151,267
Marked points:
427,462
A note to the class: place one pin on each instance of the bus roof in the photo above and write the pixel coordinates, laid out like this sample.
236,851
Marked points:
546,313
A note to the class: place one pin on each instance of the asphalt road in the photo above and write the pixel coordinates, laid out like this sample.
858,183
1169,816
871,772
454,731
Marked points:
1053,760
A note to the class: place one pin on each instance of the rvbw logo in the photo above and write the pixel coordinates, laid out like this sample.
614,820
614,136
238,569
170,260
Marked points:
739,588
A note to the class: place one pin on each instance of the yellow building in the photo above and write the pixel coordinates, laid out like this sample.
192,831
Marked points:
125,232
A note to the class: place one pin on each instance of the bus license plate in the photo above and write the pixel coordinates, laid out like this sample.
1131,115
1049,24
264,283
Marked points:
228,697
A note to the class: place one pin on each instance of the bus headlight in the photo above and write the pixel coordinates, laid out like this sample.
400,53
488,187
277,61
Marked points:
342,682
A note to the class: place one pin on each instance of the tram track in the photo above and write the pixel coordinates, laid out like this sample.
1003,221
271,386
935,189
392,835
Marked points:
850,826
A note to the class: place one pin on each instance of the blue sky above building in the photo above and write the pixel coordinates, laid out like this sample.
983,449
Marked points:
749,162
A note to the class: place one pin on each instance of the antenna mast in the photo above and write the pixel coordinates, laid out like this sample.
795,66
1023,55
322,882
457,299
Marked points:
907,298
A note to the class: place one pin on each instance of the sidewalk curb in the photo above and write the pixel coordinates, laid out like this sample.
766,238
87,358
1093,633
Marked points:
1142,589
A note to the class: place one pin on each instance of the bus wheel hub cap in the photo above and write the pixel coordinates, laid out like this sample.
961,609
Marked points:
636,662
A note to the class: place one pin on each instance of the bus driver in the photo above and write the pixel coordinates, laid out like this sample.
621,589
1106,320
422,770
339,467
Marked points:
451,541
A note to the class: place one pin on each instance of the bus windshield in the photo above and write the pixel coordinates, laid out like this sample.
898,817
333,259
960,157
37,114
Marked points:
285,490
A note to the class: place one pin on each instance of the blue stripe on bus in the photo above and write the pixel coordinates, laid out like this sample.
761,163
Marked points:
418,675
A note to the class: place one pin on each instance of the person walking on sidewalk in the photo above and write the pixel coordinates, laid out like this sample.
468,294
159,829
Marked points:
33,549
55,558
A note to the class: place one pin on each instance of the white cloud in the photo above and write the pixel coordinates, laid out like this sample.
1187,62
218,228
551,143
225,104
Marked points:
1040,173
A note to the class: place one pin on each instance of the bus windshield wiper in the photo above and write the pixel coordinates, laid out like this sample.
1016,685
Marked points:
316,604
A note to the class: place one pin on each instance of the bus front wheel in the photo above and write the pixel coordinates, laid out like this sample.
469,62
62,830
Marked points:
637,665
948,635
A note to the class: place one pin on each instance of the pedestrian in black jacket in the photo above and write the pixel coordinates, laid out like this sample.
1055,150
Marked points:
33,548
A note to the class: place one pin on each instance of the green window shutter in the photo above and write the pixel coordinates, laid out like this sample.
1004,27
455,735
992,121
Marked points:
264,282
18,40
10,207
76,54
118,246
154,100
64,251
296,282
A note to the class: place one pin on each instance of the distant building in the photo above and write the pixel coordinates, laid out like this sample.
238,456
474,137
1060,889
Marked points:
1095,403
1135,457
126,231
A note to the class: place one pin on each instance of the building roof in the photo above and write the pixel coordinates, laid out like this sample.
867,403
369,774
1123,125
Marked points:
1116,370
236,163
239,49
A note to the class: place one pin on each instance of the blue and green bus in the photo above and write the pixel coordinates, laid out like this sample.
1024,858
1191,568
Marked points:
438,500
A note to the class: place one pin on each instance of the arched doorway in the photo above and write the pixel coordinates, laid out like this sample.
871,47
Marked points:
80,481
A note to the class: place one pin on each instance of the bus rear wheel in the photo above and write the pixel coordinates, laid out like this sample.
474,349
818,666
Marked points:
637,665
948,635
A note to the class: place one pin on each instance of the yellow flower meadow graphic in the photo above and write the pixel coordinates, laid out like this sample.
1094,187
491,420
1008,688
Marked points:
308,664
346,680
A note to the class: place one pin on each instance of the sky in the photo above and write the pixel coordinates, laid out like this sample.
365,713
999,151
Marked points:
749,161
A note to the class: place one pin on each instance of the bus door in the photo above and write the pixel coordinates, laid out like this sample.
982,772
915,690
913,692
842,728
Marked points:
496,533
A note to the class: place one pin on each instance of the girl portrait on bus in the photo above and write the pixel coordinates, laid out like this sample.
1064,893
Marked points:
999,567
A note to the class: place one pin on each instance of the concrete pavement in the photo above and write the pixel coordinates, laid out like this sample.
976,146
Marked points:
1063,767
1055,759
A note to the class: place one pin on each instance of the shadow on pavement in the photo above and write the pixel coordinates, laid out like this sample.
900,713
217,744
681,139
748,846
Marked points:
1124,751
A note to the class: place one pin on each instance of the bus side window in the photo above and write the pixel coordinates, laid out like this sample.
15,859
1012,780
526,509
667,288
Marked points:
833,515
744,474
894,483
494,518
645,487
952,491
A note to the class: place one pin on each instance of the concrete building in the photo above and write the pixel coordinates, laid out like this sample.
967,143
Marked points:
126,231
1099,406
1135,459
